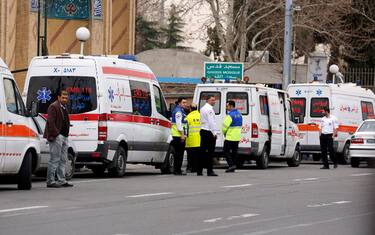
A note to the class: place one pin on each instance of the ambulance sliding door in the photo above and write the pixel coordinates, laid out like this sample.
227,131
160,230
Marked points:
277,122
2,124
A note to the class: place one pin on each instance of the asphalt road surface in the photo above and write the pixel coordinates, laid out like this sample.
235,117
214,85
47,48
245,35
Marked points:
280,200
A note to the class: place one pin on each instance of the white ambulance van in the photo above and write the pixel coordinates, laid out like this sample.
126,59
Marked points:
349,103
267,131
19,140
117,110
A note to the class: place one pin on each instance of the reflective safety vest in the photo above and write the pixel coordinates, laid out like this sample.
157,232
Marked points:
193,128
174,130
232,126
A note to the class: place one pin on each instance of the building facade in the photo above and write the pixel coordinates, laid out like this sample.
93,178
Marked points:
111,23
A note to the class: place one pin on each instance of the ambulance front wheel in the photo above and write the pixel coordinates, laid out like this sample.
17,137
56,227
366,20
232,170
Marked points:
295,160
263,159
24,175
119,163
168,167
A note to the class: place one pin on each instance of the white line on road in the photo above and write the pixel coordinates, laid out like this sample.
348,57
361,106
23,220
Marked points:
237,186
149,194
90,181
328,204
213,220
22,208
361,174
306,179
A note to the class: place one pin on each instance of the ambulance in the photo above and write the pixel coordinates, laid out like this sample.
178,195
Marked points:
268,131
19,140
349,103
117,109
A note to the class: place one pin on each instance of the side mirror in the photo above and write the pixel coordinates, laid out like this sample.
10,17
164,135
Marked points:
34,109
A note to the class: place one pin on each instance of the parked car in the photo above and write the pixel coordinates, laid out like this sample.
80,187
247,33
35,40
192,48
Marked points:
42,166
362,144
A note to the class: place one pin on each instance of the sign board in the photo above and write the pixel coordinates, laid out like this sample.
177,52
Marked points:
317,67
223,70
97,10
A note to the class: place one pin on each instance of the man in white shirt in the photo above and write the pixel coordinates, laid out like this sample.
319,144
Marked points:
209,133
328,130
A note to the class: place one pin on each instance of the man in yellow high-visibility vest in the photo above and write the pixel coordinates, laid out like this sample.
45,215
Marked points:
232,127
193,139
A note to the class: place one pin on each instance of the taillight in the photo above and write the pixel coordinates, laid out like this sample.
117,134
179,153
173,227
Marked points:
102,127
357,141
254,130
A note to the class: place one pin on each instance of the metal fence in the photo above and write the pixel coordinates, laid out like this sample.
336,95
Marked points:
362,76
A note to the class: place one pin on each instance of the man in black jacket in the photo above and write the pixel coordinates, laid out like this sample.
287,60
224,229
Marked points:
57,132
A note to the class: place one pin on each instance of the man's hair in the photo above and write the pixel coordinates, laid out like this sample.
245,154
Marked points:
180,99
193,107
326,109
231,103
209,97
62,92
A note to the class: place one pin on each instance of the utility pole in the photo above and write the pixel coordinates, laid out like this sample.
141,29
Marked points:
162,13
287,42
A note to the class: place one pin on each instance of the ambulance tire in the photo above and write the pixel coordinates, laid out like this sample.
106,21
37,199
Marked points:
295,160
263,159
24,175
167,167
354,161
70,167
119,163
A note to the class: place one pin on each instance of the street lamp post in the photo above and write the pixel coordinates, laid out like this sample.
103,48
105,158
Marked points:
287,43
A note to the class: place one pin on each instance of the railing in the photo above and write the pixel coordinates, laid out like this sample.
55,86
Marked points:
364,77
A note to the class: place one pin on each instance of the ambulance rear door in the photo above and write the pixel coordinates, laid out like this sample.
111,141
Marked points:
2,123
318,99
277,122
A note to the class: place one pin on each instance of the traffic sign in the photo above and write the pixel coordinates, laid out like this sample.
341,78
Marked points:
223,70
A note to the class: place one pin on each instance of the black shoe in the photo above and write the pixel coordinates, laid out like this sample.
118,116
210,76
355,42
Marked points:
212,174
179,173
53,185
335,166
325,167
66,185
230,169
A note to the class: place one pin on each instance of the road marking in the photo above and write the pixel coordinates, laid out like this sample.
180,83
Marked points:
236,186
149,194
89,181
306,179
278,230
361,174
328,204
22,208
213,220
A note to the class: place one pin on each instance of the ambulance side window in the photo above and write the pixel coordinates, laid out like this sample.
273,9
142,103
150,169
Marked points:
141,98
13,99
161,107
263,104
367,110
242,101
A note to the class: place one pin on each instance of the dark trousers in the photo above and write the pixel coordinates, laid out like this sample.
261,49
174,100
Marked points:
208,143
179,147
230,151
326,145
193,155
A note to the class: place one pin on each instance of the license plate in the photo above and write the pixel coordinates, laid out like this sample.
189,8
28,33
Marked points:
371,141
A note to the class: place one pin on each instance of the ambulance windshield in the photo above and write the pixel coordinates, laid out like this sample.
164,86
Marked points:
82,92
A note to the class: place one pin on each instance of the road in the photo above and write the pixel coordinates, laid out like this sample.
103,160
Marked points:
279,200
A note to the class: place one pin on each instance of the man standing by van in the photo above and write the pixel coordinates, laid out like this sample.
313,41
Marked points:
208,134
57,132
232,126
178,132
193,139
328,130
